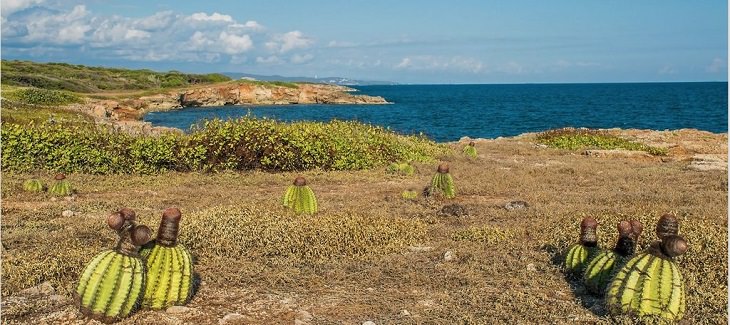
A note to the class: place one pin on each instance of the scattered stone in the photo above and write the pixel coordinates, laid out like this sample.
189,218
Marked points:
44,288
427,303
449,256
67,213
516,205
53,199
178,309
455,210
368,323
232,318
531,267
58,298
370,289
405,313
420,249
303,316
70,198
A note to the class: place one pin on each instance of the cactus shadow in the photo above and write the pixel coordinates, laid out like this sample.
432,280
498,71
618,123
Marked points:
594,303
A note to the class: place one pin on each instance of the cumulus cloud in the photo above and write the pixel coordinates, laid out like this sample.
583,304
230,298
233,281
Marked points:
717,65
435,63
162,36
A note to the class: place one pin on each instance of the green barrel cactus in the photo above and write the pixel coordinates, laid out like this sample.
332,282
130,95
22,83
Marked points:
579,253
650,284
442,182
110,287
34,186
401,168
61,187
300,197
470,151
602,267
169,266
409,194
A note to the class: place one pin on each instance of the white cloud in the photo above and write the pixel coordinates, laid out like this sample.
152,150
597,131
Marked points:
201,16
68,28
667,69
234,44
404,63
273,59
251,25
289,41
10,6
156,22
301,58
341,44
717,65
435,63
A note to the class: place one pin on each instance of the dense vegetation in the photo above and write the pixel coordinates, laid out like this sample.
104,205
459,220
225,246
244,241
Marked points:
38,96
241,144
80,78
574,139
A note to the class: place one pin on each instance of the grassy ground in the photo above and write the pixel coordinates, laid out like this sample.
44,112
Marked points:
370,254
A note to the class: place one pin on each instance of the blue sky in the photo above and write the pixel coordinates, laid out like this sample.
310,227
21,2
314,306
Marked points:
404,41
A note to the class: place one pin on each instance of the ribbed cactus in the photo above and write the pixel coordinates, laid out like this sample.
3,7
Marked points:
442,182
409,194
470,151
650,284
110,287
401,168
579,253
61,187
34,186
602,267
300,198
169,266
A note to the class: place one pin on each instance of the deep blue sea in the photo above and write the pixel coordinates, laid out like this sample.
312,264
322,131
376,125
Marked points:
448,112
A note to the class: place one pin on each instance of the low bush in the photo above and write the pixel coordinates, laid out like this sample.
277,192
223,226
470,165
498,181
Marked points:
241,144
38,96
574,139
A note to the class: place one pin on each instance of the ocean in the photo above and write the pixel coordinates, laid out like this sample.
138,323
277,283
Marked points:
449,112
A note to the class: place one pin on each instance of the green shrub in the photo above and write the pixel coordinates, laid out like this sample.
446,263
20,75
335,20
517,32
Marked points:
241,144
37,96
574,139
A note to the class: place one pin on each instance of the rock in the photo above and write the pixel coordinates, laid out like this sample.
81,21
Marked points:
58,298
707,162
420,249
67,213
53,199
44,288
303,316
179,309
531,267
405,313
516,205
232,318
369,322
455,210
449,256
616,153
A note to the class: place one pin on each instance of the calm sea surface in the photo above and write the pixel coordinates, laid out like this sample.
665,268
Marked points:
448,112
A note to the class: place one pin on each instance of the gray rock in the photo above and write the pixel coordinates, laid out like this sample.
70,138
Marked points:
405,313
44,288
455,210
516,205
531,267
303,316
178,309
67,213
232,318
449,256
369,322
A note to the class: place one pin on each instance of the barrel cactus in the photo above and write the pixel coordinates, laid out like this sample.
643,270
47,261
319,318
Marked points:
300,197
650,284
34,186
111,285
409,194
401,168
61,187
600,269
579,254
470,151
442,182
169,266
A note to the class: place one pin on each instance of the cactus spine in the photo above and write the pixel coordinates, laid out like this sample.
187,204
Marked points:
169,266
34,186
110,287
61,187
442,182
470,151
300,197
650,284
603,266
579,253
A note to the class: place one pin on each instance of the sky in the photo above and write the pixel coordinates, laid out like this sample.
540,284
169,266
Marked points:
408,41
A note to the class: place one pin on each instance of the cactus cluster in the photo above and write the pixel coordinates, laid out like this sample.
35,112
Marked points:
648,284
34,186
111,285
300,197
470,150
442,182
401,168
409,194
61,187
169,266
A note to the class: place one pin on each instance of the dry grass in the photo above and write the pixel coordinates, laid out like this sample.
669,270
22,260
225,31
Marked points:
351,262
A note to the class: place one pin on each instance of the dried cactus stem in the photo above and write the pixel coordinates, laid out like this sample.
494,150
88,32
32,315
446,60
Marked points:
667,226
601,268
169,227
588,236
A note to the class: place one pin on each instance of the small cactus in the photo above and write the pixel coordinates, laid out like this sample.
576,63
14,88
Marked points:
442,182
61,187
470,151
409,194
169,266
300,197
111,285
34,186
602,267
579,253
401,168
650,284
